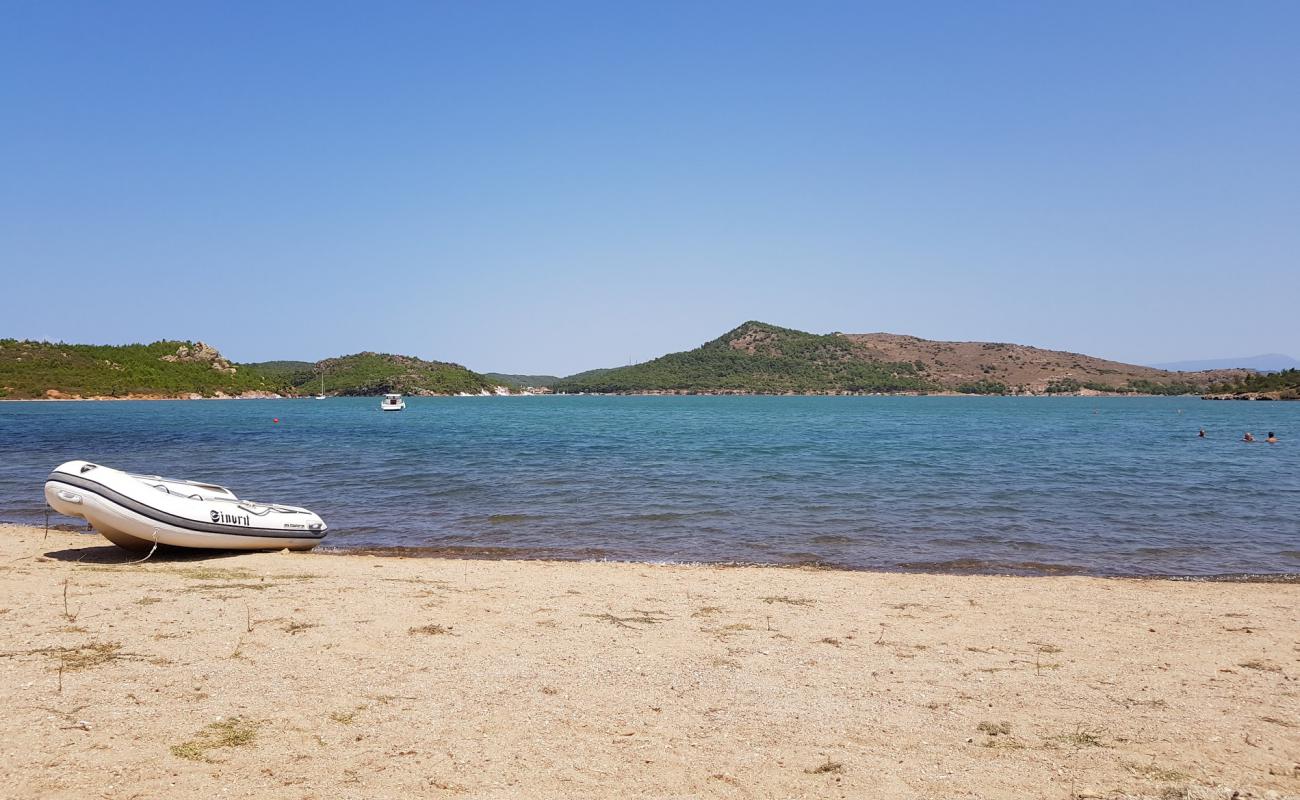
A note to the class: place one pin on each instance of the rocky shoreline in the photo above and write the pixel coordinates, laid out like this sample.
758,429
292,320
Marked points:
1250,396
54,395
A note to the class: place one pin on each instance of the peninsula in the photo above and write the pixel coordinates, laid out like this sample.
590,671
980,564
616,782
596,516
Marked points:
759,358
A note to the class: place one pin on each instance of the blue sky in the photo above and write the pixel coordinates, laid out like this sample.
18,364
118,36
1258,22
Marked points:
550,187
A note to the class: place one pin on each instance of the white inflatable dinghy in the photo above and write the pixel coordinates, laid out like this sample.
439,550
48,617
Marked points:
137,511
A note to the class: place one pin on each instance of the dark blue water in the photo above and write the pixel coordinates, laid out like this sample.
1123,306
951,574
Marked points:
1102,486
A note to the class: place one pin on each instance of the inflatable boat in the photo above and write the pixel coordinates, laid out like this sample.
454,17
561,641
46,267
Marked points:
138,511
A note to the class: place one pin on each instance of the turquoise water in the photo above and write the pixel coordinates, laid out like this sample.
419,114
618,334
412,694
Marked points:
1095,485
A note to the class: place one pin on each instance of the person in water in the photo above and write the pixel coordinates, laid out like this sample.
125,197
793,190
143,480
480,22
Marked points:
1201,434
1271,438
1249,437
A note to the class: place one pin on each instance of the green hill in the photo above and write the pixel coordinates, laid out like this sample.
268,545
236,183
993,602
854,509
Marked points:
1284,385
168,369
378,373
757,358
290,372
520,381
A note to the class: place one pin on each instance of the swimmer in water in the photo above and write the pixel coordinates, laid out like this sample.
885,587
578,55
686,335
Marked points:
1249,437
1271,438
1201,434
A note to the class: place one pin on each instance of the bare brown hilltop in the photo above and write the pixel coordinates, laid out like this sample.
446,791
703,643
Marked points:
1028,369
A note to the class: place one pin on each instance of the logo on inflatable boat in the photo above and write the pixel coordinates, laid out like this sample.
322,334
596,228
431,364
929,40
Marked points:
230,519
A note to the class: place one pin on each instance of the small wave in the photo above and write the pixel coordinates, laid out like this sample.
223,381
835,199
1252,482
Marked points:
832,538
660,516
986,567
473,552
1240,577
501,519
1176,550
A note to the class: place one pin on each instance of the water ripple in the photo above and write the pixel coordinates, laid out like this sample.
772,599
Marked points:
1026,485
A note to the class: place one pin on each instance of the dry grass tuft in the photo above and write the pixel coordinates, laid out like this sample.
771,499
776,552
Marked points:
640,618
1130,702
213,587
233,732
707,611
1080,739
1262,666
831,641
148,601
216,573
827,768
428,630
299,627
91,655
994,728
1156,772
80,657
790,601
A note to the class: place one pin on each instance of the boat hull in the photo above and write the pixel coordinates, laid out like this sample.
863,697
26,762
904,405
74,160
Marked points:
133,519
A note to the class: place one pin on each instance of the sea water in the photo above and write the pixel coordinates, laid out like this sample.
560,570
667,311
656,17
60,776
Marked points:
1111,486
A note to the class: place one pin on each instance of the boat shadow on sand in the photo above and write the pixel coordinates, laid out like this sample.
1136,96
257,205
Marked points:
109,555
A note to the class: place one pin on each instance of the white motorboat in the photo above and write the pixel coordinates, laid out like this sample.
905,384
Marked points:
392,402
138,511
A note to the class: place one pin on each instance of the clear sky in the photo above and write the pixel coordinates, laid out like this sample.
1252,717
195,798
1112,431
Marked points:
556,186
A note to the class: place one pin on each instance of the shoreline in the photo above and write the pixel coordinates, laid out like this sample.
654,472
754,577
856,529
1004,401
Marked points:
299,675
968,567
994,569
1089,394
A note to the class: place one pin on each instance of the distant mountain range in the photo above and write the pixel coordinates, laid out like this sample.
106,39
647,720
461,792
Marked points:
757,357
1269,362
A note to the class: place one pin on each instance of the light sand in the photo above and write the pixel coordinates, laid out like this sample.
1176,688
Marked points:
307,676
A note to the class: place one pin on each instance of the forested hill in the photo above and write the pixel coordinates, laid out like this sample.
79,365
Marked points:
1284,385
165,369
378,373
521,381
756,358
30,369
766,359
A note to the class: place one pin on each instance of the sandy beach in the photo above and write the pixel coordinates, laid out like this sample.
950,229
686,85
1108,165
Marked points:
347,676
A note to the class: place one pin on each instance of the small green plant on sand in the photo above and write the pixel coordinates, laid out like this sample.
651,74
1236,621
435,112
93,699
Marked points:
233,732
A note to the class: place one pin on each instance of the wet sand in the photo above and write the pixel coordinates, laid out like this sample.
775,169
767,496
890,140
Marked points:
342,676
